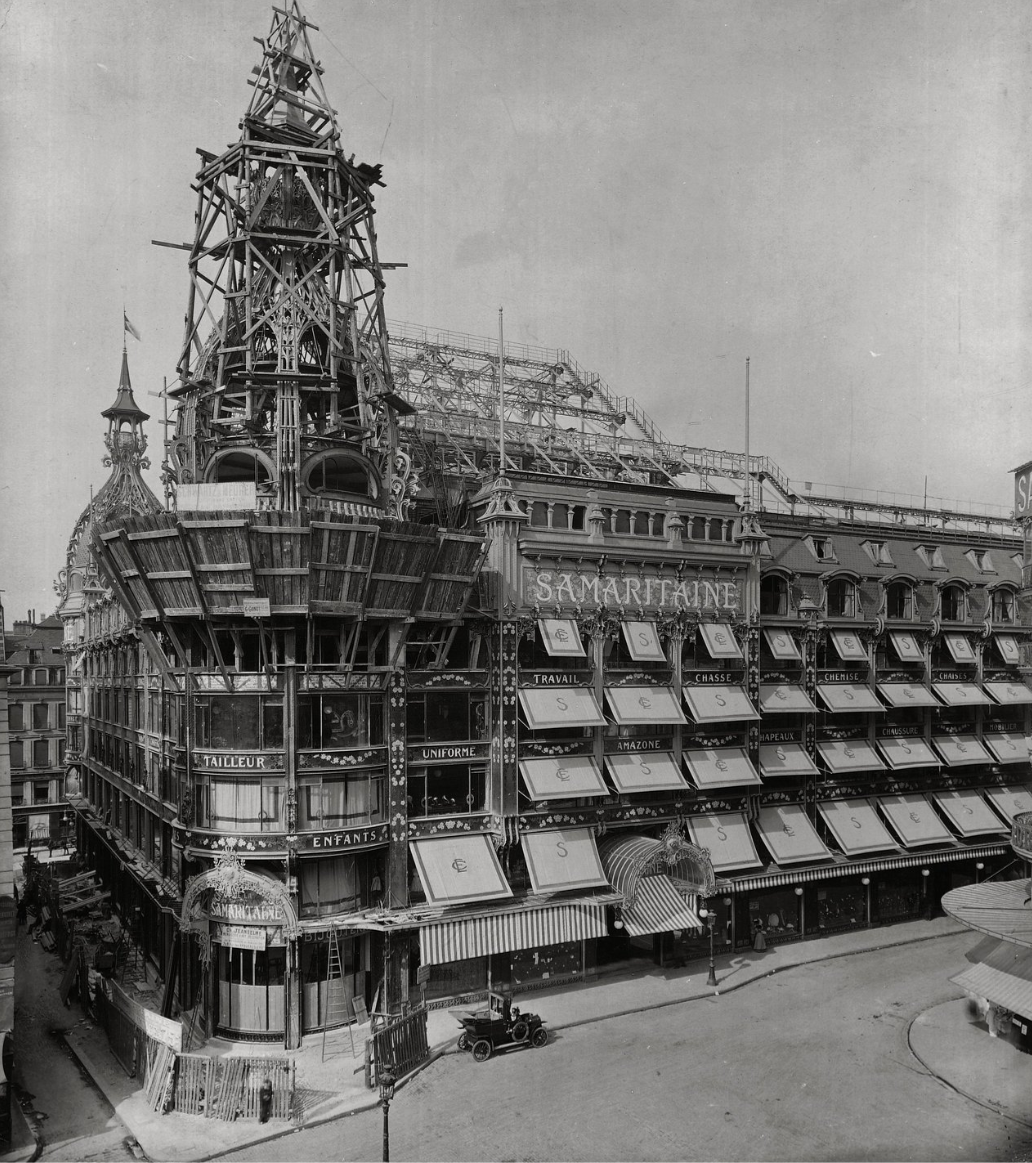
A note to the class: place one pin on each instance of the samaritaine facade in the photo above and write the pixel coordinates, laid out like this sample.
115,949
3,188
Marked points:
393,700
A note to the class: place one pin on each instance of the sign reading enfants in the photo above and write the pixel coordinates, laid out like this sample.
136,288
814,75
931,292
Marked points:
554,587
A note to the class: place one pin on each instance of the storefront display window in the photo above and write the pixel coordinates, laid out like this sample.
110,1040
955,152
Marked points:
841,906
238,722
444,790
777,913
340,720
330,885
342,801
445,716
250,991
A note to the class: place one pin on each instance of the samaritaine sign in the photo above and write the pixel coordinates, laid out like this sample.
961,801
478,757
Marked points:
556,587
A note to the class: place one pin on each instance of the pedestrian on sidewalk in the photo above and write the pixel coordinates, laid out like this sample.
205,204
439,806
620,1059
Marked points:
759,942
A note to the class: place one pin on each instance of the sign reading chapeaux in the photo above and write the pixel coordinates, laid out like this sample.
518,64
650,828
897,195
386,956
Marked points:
554,587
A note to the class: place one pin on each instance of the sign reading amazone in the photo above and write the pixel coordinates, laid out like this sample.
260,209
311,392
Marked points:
554,587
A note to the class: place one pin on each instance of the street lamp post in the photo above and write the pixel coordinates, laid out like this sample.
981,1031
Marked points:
387,1081
710,918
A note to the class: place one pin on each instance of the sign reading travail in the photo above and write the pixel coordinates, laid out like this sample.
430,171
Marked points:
553,587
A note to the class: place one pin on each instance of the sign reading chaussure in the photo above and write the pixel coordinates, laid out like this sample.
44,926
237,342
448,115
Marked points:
553,587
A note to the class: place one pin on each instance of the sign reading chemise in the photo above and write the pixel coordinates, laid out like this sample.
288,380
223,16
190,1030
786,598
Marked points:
553,587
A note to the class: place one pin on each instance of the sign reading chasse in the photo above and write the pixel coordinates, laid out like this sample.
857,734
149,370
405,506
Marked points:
553,587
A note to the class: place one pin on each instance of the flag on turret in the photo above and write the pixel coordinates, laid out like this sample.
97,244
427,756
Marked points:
129,327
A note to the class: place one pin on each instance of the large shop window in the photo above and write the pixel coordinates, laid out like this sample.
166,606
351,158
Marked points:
238,722
342,801
448,789
443,716
239,805
251,990
330,884
340,720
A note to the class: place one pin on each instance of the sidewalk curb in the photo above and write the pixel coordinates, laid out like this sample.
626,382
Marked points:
996,1110
334,1109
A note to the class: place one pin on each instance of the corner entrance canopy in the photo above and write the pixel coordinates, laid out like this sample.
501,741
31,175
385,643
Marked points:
655,877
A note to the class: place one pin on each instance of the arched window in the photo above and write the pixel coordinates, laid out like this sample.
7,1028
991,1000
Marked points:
773,594
841,598
1003,606
953,604
899,600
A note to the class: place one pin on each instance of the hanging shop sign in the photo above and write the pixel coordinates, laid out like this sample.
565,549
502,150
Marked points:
242,936
553,587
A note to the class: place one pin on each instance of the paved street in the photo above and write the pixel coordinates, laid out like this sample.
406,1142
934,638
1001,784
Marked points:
811,1064
75,1120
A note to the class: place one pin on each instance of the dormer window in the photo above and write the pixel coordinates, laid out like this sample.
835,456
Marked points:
773,594
953,604
878,552
932,556
899,600
842,598
821,548
1003,605
981,559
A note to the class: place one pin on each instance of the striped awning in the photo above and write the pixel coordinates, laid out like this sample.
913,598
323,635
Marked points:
629,857
995,907
863,868
658,908
461,939
1003,976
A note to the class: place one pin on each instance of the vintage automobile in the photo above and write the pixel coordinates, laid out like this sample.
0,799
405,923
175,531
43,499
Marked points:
498,1028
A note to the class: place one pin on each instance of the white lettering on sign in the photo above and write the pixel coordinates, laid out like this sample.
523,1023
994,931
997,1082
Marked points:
259,911
231,762
1023,492
570,588
351,839
466,751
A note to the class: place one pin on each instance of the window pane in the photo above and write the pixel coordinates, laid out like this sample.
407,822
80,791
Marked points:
40,716
40,752
16,719
272,724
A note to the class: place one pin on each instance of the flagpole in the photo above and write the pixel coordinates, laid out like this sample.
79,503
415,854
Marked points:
501,395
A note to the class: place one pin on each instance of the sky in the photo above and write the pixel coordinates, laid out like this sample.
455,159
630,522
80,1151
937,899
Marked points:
835,189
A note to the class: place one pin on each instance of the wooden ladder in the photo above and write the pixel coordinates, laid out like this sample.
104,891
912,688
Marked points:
336,1000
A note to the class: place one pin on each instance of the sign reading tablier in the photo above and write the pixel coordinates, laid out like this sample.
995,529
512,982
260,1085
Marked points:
554,587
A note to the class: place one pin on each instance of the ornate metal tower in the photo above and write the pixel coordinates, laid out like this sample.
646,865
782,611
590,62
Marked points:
285,376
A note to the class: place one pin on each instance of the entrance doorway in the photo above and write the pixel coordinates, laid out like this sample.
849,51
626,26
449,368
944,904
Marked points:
250,992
